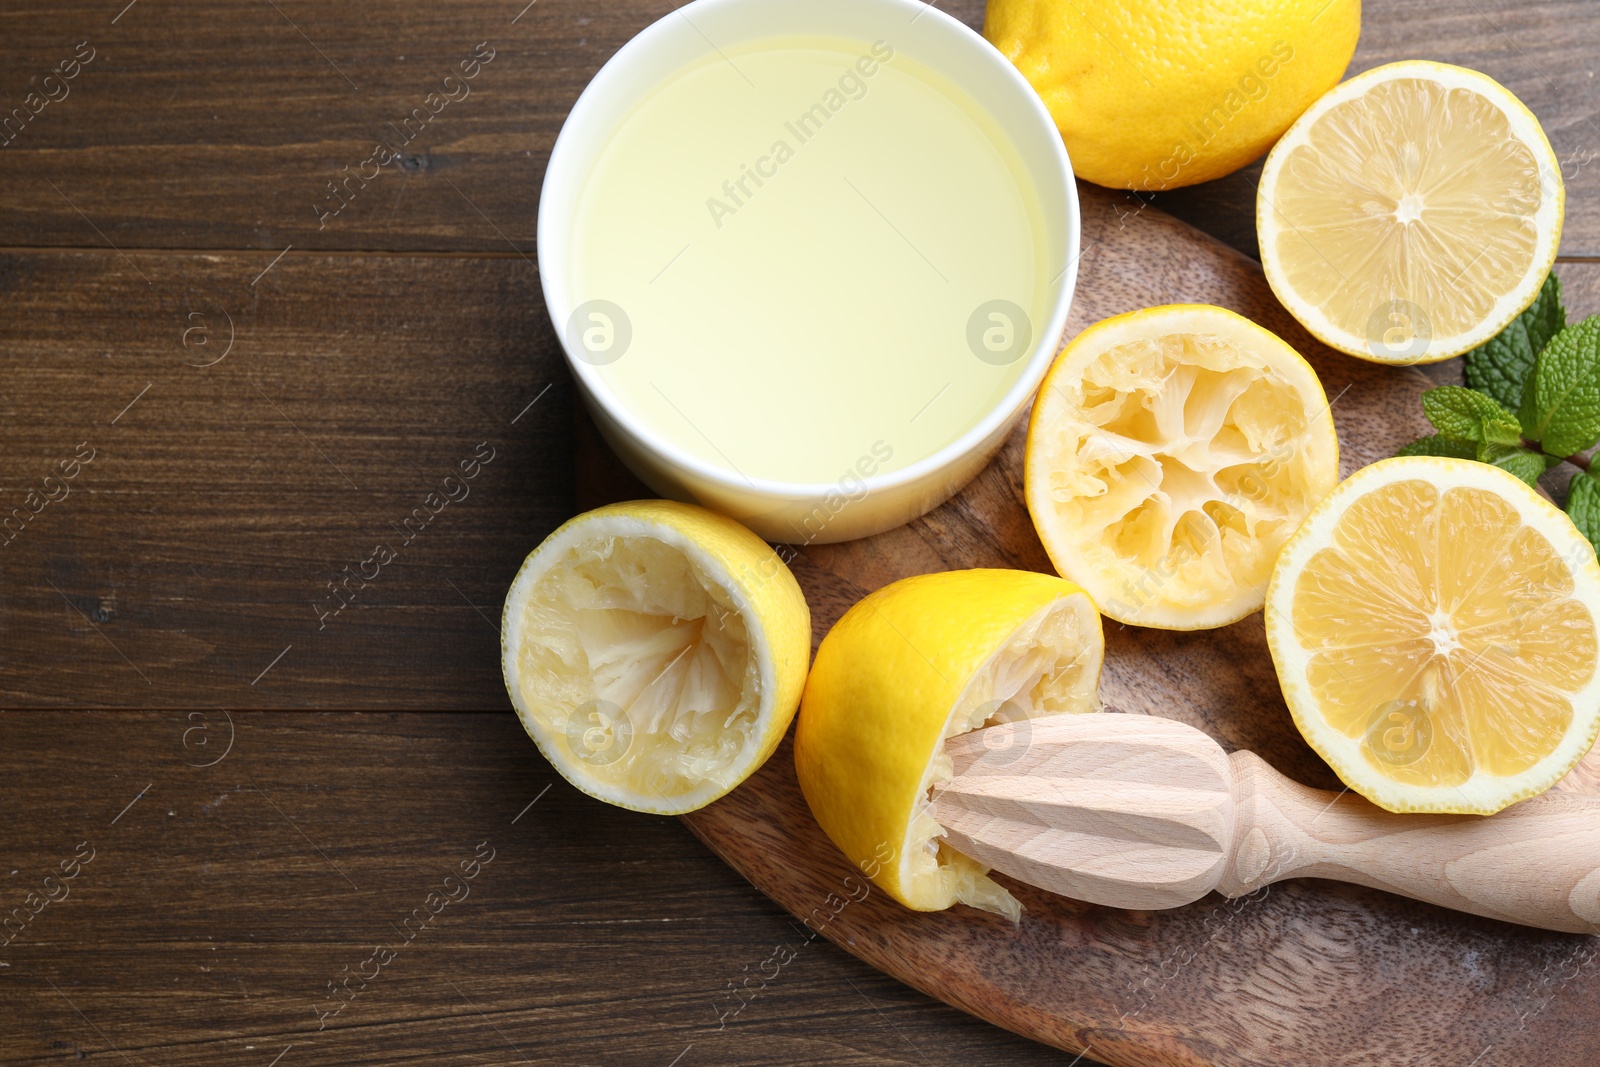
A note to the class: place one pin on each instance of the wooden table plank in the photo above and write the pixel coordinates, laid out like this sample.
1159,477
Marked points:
209,124
204,124
220,901
218,502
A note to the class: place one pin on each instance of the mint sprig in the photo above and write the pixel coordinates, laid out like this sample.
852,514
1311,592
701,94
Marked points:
1583,505
1500,366
1470,416
1561,398
1523,463
1532,402
1440,445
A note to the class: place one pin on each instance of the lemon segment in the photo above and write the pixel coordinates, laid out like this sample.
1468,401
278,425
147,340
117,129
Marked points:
655,652
914,663
1171,453
1433,627
1411,213
1157,94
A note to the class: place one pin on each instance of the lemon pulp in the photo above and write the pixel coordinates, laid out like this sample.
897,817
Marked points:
1432,626
1172,453
1411,214
1046,667
1447,635
656,652
643,634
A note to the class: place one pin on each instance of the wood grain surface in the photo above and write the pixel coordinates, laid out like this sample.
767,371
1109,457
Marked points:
230,485
230,883
186,174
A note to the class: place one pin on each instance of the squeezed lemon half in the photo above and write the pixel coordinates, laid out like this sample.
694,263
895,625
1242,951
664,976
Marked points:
1171,453
655,652
1433,627
1411,213
910,665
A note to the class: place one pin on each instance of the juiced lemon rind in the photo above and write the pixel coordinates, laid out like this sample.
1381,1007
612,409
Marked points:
1227,497
620,598
911,664
1013,684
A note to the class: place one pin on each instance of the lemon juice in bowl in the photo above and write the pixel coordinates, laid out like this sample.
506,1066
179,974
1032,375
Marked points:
809,278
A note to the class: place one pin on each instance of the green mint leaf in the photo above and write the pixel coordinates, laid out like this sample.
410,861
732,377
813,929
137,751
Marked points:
1500,366
1524,464
1440,445
1502,429
1561,399
1583,505
1469,415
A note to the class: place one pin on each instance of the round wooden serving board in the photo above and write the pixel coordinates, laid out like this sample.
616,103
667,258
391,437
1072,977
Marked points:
1304,974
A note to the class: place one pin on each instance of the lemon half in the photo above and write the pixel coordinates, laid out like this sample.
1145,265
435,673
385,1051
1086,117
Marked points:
1171,453
1411,213
1433,626
912,664
655,652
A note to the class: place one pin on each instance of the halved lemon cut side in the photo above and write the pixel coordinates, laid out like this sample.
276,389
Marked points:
1433,626
655,652
1410,213
1171,453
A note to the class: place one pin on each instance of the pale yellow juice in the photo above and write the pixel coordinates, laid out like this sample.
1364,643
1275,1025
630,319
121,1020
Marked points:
807,260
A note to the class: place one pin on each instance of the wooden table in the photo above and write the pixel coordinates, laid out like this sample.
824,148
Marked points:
363,859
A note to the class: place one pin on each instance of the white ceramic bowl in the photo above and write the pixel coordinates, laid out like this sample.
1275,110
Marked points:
777,510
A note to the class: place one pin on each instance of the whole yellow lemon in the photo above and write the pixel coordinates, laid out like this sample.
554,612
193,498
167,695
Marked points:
1157,94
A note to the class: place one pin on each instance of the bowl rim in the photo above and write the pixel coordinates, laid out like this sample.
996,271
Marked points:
1046,345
